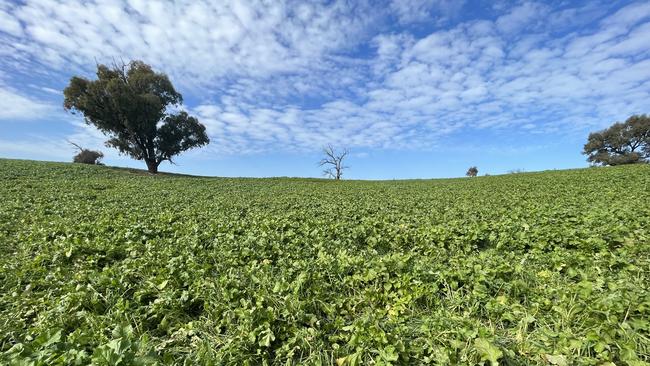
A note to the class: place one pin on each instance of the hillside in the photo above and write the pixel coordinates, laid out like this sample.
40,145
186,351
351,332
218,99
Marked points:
112,265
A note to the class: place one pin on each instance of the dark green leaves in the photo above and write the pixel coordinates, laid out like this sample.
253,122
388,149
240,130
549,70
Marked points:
621,143
127,102
179,132
544,268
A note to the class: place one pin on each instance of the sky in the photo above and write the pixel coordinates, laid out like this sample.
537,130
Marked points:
414,89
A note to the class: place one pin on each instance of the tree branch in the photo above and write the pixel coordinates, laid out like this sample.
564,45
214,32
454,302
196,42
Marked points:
335,160
75,145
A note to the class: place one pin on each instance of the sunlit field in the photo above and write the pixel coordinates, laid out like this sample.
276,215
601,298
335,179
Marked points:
115,266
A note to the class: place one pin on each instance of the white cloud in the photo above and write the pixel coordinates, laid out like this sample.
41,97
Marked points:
9,24
36,147
525,15
285,76
198,41
629,15
15,107
470,77
410,11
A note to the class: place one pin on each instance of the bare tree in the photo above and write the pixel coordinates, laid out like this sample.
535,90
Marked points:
472,172
333,162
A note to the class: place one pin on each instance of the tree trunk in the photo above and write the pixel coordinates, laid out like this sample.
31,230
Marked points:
152,166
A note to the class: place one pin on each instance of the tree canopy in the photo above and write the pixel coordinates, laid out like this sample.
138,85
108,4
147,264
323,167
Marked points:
132,104
621,143
472,172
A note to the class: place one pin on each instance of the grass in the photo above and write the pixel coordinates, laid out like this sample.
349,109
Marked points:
113,266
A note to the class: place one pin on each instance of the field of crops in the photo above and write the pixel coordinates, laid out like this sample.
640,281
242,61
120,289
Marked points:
116,267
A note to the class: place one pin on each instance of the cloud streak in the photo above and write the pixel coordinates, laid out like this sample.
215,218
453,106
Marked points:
15,106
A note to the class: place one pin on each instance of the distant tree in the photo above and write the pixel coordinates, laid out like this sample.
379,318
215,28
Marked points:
333,162
130,103
621,143
472,172
86,156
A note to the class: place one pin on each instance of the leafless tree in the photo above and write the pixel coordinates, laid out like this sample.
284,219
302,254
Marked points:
333,162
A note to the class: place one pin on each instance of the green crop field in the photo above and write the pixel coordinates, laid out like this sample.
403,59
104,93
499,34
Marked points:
115,267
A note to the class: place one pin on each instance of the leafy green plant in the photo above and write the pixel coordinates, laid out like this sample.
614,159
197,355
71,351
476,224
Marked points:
546,268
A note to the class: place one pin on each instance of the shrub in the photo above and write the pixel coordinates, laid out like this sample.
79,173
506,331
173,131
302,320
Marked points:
86,156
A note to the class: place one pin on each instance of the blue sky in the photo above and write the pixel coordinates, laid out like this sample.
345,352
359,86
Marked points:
415,89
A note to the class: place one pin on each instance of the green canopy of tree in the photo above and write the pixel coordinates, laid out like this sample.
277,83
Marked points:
133,106
621,143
